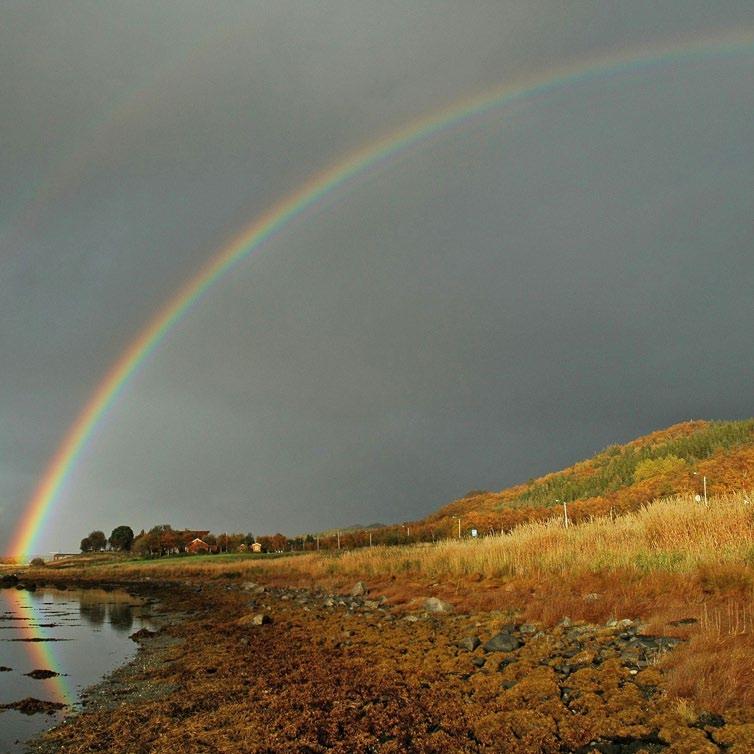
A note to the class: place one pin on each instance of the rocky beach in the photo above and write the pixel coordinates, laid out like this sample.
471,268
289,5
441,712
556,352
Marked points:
245,667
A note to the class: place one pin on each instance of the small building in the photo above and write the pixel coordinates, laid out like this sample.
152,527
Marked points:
197,545
256,547
242,547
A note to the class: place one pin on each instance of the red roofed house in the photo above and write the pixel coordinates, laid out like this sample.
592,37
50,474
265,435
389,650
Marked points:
197,545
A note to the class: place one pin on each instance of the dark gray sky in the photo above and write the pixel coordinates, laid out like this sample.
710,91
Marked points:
567,272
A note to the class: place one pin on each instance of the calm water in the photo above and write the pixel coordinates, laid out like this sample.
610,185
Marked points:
92,627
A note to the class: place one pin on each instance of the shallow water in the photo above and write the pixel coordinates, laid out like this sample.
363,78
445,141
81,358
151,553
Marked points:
89,630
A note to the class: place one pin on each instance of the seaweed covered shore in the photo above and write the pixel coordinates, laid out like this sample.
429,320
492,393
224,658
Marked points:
246,667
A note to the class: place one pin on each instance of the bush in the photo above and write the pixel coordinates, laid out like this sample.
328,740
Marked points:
37,562
654,467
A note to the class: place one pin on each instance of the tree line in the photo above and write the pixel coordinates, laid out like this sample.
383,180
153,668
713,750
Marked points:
164,539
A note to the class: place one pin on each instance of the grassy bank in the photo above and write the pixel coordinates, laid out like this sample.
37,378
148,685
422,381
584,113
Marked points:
671,536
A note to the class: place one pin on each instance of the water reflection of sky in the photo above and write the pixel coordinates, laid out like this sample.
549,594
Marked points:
91,626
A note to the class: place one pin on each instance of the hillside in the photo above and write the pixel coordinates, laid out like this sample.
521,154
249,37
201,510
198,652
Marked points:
620,479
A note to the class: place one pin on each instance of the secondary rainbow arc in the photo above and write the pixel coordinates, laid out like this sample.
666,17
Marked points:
307,198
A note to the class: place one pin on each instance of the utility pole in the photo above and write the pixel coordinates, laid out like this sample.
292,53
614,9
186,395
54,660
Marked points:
318,544
370,538
459,525
339,539
565,512
704,482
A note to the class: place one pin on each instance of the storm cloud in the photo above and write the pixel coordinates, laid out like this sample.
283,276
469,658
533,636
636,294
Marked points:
565,272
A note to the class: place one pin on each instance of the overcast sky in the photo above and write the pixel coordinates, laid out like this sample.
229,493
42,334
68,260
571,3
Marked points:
566,272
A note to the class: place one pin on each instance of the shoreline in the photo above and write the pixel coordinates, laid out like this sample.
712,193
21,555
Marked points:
117,684
326,672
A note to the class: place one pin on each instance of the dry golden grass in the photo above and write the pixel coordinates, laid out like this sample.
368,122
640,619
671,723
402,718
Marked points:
675,535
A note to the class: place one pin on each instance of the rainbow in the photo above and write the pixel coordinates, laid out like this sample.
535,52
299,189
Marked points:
41,654
308,199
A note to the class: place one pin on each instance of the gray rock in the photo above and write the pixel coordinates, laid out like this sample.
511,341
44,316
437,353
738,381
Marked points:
436,605
470,643
359,589
261,619
372,604
248,586
502,642
710,719
528,628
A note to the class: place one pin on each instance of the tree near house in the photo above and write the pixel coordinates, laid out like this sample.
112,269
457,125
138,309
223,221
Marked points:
122,538
98,540
86,545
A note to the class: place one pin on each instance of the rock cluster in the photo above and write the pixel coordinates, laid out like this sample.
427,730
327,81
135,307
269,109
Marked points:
32,706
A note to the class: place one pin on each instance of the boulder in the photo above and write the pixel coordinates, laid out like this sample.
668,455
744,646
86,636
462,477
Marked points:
41,674
469,643
436,605
32,706
359,589
254,619
502,642
142,633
